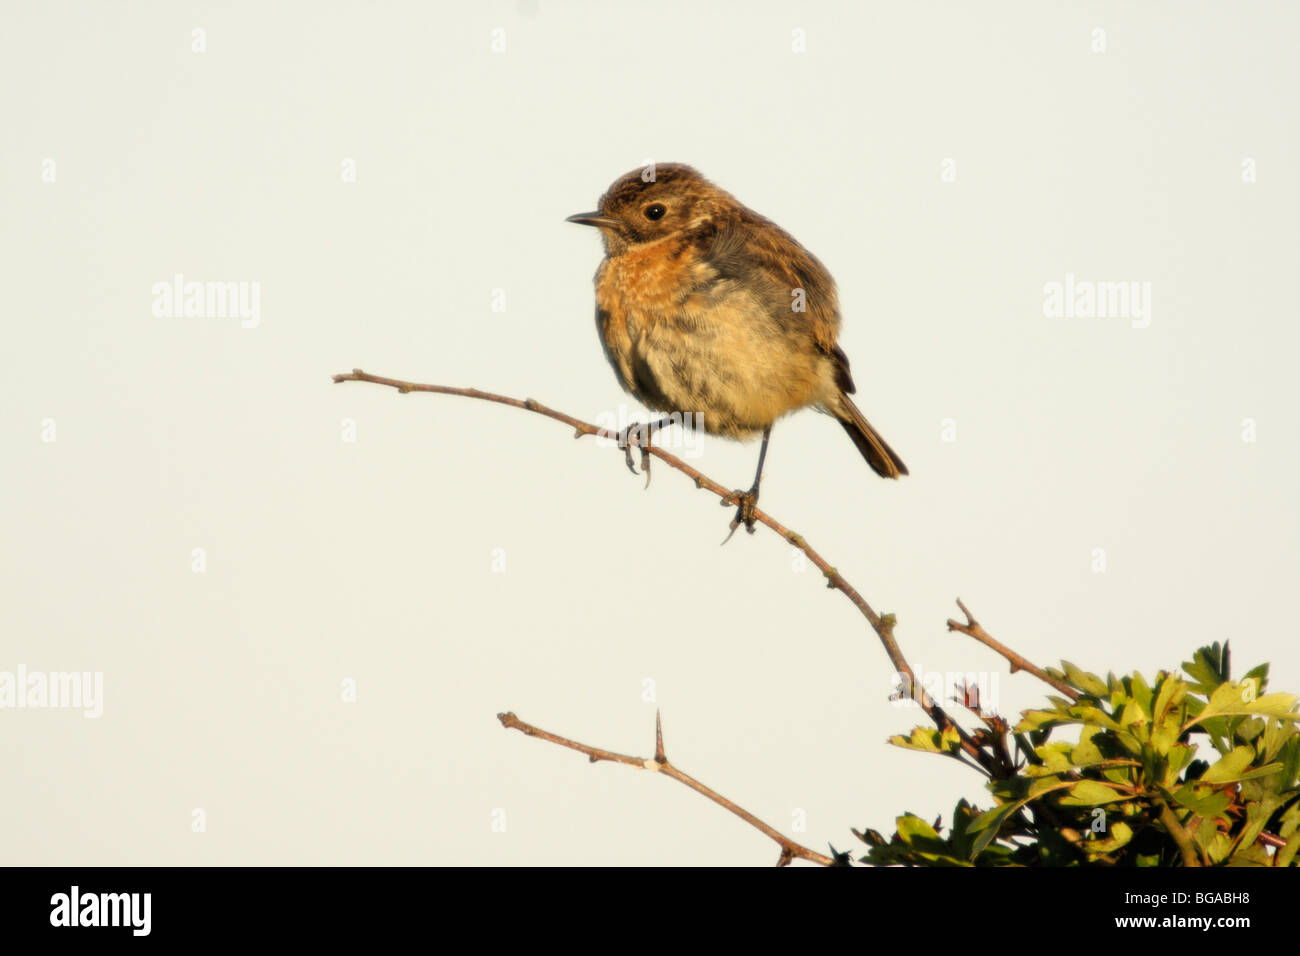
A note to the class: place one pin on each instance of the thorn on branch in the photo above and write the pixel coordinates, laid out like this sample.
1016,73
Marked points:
834,581
973,628
970,618
660,764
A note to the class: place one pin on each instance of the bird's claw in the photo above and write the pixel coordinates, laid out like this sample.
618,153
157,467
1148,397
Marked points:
639,435
746,503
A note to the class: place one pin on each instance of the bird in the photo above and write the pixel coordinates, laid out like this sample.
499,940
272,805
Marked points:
703,306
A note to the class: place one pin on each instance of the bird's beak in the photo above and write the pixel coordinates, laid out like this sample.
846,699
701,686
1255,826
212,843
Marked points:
594,219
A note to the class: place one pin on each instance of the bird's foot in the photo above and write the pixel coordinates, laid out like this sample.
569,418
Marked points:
638,435
746,503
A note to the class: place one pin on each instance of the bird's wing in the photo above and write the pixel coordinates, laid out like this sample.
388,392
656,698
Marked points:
759,255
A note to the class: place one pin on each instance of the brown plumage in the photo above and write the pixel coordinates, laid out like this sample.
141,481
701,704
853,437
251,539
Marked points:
705,306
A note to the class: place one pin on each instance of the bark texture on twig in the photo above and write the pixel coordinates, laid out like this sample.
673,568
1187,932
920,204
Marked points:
973,629
992,761
659,764
883,625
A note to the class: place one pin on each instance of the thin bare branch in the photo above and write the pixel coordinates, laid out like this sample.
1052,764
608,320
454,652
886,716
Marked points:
973,629
660,764
882,625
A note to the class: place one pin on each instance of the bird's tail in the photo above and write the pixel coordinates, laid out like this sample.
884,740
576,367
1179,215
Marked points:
879,455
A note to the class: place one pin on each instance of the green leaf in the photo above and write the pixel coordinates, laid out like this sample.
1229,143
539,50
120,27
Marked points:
1120,834
1290,820
1280,706
1208,667
1286,855
929,740
1035,719
1290,754
1089,793
911,826
1265,771
1055,757
1121,775
1130,743
1219,847
1203,801
990,817
1249,729
982,839
1042,786
1088,683
1239,699
1180,755
1141,693
1277,734
1085,753
1133,717
1251,855
1165,732
1229,767
1260,673
1257,815
1172,691
1087,713
987,824
1153,764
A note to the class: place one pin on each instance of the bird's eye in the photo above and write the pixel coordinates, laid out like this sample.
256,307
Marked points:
655,211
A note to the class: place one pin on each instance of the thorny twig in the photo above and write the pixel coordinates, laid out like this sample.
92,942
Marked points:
990,761
659,764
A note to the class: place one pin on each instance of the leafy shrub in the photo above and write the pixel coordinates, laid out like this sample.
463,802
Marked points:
1131,789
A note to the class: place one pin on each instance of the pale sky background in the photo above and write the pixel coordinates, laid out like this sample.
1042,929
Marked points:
372,560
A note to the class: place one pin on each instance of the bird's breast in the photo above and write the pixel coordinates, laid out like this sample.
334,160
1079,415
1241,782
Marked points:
642,287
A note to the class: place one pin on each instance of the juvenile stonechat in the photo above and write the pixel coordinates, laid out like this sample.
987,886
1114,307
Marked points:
704,306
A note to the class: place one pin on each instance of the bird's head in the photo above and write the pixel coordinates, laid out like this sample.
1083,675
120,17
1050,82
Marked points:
654,202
